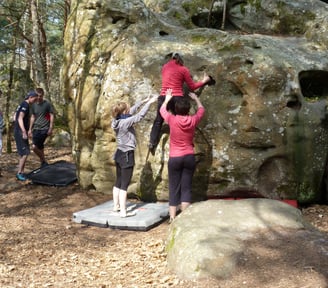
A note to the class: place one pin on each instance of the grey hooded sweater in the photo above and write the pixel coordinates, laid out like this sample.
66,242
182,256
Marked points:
125,132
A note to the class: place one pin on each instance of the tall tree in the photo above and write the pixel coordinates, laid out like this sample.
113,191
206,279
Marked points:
39,48
31,45
10,18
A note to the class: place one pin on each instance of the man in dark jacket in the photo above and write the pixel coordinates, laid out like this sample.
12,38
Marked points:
22,119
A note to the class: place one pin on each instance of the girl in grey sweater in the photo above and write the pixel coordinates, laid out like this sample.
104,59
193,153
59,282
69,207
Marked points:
124,117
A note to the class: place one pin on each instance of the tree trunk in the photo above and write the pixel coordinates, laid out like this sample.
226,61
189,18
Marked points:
224,14
40,58
8,117
67,9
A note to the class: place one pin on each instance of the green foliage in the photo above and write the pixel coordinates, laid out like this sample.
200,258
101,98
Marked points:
16,40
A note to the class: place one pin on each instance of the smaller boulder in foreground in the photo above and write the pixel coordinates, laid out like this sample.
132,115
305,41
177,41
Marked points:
208,239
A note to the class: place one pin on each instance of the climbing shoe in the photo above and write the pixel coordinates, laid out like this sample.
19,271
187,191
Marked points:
211,82
152,148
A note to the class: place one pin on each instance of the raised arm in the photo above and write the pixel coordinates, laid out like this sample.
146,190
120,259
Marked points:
194,97
163,111
168,97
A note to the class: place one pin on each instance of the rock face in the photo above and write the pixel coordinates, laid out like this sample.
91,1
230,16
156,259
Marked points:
209,239
265,131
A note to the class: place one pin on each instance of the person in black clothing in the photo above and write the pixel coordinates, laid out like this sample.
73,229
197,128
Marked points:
22,119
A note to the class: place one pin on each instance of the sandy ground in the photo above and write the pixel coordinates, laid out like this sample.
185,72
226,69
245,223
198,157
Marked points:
42,247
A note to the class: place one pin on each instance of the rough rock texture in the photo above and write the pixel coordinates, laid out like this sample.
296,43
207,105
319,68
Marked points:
210,238
265,131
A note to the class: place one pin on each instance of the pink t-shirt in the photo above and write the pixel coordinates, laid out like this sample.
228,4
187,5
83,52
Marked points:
173,77
182,131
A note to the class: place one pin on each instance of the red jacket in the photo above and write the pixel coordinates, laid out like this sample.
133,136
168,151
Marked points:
182,131
173,77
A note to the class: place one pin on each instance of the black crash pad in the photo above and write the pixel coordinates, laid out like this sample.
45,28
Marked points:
60,173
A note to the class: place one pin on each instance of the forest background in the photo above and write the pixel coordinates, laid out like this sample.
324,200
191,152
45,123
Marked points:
31,53
41,247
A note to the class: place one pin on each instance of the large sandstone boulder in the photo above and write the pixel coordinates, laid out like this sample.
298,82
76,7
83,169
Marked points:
211,238
265,130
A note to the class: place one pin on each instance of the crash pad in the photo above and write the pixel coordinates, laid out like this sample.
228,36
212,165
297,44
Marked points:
60,173
148,215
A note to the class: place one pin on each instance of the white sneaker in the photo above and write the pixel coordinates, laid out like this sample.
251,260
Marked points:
116,208
131,207
124,214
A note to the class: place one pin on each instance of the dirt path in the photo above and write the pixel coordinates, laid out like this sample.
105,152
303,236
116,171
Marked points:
42,247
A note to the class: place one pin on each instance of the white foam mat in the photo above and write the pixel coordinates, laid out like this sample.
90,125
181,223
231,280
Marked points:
147,215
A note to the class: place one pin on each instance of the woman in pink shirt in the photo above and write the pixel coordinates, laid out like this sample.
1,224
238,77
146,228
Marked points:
181,164
174,75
